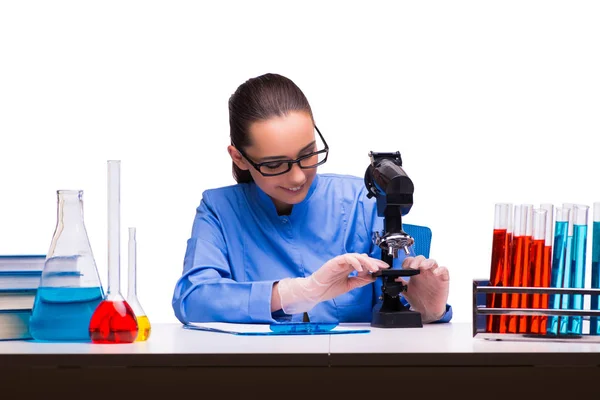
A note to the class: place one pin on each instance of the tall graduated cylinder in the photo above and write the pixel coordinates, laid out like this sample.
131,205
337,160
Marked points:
70,288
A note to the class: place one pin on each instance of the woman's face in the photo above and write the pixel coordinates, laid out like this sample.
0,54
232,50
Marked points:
279,139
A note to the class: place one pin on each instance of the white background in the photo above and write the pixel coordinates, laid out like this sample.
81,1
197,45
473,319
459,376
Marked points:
488,101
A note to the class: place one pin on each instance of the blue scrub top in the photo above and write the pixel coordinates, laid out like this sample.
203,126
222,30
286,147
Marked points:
240,246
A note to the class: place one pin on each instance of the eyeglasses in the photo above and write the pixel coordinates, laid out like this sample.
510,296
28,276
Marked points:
280,167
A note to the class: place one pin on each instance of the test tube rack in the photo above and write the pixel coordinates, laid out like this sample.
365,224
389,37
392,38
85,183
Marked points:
480,311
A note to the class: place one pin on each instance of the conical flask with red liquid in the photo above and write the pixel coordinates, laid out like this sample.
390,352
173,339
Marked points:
113,320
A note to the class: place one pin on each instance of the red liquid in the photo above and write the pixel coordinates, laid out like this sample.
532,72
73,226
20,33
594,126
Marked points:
507,278
518,259
526,281
546,277
537,267
113,322
496,274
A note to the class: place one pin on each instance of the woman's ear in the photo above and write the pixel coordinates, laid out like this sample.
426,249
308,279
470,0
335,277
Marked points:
237,158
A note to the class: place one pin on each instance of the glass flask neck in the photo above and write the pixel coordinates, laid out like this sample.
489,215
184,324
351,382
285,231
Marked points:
132,264
70,233
70,209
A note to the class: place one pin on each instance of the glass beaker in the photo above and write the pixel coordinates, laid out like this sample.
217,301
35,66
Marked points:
70,288
142,319
113,321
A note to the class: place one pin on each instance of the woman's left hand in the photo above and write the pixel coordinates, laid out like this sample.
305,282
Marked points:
427,292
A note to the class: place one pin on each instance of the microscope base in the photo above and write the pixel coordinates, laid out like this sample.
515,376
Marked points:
396,319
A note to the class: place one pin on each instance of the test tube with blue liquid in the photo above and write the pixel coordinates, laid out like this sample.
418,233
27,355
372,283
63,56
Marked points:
580,226
567,299
594,303
559,252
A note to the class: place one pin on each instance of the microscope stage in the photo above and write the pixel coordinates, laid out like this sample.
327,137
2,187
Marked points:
396,272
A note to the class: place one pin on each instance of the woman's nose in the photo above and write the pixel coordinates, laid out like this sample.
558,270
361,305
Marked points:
297,174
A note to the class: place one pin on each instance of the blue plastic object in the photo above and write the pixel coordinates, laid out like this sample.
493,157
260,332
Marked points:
302,327
422,236
279,329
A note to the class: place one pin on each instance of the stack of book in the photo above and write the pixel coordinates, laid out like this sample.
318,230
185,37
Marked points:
19,280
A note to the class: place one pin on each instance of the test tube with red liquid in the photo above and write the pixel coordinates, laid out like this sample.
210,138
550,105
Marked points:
536,262
526,271
497,267
113,320
547,263
516,263
507,275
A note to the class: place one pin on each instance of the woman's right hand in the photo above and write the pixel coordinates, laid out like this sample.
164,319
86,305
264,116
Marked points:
299,295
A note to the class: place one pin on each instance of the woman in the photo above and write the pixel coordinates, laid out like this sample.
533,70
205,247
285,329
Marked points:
286,243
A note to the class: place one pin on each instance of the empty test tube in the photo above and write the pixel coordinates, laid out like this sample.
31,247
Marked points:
594,301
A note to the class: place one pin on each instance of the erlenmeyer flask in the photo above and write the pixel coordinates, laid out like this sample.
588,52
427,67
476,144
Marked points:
70,288
141,317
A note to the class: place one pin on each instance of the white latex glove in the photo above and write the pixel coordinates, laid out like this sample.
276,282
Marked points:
426,292
299,295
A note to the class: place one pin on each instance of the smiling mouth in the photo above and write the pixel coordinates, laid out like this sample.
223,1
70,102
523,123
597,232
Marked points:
293,189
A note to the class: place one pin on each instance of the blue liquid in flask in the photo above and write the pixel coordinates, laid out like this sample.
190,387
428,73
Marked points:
64,313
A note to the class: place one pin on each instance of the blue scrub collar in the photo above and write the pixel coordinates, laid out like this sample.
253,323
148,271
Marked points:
267,204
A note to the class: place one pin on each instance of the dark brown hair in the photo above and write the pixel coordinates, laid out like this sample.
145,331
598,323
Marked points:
258,99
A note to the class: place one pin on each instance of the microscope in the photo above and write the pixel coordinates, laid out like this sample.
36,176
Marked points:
392,188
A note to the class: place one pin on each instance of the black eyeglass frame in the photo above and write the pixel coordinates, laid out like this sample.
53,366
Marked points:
289,162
